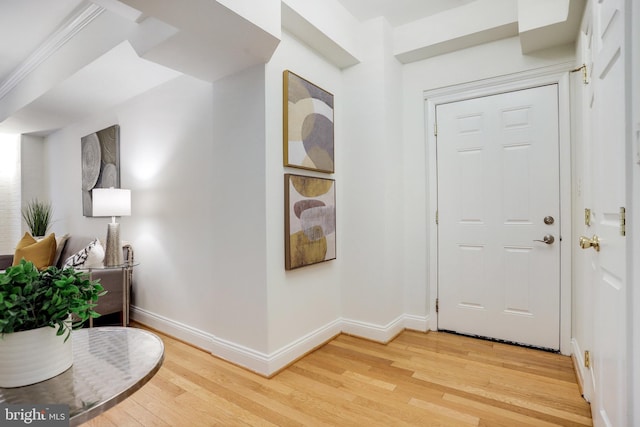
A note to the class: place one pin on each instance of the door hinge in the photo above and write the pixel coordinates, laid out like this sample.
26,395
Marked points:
623,221
435,129
437,219
437,305
587,359
583,68
587,217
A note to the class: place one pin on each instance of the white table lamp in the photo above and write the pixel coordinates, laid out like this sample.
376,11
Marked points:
112,202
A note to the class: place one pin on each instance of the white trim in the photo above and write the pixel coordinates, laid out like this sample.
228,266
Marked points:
432,206
578,365
302,346
633,250
170,327
557,74
269,364
416,323
370,331
82,17
234,353
248,358
566,208
499,84
583,374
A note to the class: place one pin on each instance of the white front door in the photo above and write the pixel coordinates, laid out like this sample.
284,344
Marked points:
499,216
608,130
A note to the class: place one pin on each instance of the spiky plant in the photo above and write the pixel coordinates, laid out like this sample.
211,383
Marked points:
37,215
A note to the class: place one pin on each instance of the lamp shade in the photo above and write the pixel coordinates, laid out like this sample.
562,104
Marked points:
111,202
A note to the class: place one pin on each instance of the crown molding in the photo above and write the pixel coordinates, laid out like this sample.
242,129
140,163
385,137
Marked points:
82,17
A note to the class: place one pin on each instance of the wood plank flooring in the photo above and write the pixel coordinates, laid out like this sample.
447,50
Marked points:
433,379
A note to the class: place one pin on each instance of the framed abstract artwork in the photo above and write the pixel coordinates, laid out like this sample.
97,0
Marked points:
310,220
100,163
307,125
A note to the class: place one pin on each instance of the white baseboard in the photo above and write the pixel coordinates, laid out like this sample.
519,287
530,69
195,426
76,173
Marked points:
387,332
417,323
302,346
373,332
578,364
269,364
582,373
170,327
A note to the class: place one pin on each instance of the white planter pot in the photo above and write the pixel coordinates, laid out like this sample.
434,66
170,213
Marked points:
28,357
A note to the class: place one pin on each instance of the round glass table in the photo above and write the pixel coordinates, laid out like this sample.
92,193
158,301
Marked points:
109,364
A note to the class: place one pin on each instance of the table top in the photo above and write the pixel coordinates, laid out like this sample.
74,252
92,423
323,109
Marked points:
109,364
109,267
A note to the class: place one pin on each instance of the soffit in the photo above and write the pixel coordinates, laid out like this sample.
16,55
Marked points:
36,78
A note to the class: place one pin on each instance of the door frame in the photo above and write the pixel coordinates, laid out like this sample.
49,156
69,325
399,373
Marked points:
556,74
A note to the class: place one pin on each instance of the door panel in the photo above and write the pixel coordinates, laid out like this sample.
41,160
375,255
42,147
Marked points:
609,189
498,178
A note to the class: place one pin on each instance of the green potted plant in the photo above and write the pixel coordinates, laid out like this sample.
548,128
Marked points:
37,215
38,310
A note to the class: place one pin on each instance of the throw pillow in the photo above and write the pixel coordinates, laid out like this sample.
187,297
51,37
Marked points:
41,253
26,240
60,242
90,256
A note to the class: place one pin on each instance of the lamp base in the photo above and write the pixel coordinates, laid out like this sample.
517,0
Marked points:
113,250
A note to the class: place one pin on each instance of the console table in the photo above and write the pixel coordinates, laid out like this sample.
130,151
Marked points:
127,273
109,364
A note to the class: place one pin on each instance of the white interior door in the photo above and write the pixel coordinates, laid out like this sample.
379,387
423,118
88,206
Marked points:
607,117
498,217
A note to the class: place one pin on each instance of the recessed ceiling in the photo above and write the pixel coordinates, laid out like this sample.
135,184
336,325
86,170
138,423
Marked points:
399,12
97,86
28,23
61,60
27,28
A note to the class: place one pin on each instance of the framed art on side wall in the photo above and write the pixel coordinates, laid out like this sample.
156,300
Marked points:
100,163
310,220
308,134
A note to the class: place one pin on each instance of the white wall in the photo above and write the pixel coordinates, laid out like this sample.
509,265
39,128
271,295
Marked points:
362,290
22,172
165,157
204,163
201,258
33,169
10,192
305,300
236,270
372,239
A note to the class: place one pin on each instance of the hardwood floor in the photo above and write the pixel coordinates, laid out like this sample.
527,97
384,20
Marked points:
433,379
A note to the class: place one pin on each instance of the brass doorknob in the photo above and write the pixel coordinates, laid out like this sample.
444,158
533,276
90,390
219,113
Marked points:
586,243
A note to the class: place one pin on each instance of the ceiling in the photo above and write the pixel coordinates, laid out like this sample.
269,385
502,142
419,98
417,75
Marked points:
27,29
33,26
131,46
399,12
